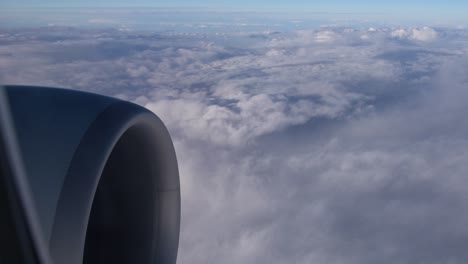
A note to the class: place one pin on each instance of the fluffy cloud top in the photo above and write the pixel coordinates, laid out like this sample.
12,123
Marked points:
312,146
424,34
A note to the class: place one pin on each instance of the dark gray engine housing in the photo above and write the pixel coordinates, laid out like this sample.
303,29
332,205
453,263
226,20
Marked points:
103,175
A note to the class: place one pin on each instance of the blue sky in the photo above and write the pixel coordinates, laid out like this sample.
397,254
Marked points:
428,11
330,5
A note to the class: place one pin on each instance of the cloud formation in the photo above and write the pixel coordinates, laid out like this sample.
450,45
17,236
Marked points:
331,145
424,34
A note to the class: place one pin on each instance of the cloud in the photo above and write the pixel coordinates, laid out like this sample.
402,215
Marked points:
311,146
400,33
325,36
101,21
378,188
424,34
241,120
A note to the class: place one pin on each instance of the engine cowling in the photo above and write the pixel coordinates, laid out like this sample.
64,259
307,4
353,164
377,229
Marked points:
103,175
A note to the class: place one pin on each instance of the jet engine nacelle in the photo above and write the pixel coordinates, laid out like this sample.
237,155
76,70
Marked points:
103,176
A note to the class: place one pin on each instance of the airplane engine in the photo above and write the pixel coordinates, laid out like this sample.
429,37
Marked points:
102,173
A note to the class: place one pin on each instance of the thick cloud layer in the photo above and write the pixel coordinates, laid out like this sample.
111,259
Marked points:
332,145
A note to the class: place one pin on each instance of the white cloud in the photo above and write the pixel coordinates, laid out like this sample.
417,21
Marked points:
239,122
101,21
424,34
400,33
292,150
325,36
